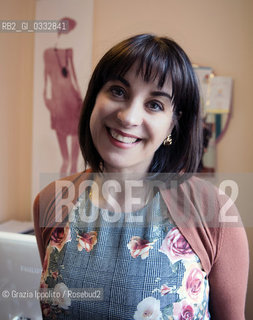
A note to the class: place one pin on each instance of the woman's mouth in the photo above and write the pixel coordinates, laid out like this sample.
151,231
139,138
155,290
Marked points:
121,137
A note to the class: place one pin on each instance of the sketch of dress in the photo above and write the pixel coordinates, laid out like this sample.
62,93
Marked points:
63,99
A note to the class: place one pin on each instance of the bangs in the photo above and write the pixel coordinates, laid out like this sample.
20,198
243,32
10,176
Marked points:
150,58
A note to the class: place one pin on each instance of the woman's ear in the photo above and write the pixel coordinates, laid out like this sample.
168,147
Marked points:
175,118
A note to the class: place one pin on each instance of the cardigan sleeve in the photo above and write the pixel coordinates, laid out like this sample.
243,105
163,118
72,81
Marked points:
229,275
222,247
46,204
45,211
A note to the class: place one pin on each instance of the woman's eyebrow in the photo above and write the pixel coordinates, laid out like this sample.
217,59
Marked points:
124,81
153,93
161,93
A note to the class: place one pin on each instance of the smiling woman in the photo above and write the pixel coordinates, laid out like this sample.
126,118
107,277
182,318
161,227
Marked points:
130,120
162,65
156,249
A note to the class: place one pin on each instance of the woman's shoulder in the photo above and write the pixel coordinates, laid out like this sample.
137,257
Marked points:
204,214
208,193
59,193
194,189
211,194
72,181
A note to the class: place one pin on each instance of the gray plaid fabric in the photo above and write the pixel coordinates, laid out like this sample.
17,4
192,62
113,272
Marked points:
125,280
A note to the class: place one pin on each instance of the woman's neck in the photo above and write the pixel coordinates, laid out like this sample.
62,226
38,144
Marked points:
120,192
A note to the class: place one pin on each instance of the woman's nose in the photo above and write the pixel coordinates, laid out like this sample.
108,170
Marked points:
131,114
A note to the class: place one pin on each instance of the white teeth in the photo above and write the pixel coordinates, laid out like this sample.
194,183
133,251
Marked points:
121,138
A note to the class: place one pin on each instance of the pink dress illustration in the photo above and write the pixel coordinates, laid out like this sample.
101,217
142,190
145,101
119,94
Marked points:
63,99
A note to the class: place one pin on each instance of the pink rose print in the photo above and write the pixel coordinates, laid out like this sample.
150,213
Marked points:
165,289
194,284
139,247
183,311
87,241
187,313
59,237
175,246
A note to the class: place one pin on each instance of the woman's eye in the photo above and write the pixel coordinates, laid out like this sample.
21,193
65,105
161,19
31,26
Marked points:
118,92
155,106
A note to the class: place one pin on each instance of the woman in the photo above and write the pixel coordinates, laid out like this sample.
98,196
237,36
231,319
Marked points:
142,237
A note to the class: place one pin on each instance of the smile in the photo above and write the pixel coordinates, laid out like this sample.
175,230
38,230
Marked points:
124,138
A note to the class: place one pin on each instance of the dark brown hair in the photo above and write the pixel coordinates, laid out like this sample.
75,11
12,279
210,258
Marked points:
161,58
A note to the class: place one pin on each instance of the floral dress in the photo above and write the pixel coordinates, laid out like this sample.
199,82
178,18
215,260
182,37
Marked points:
122,266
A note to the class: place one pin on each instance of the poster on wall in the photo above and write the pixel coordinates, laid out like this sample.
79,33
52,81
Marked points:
62,68
216,103
220,95
208,160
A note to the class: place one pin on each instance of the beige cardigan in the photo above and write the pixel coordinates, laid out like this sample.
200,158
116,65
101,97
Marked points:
195,208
